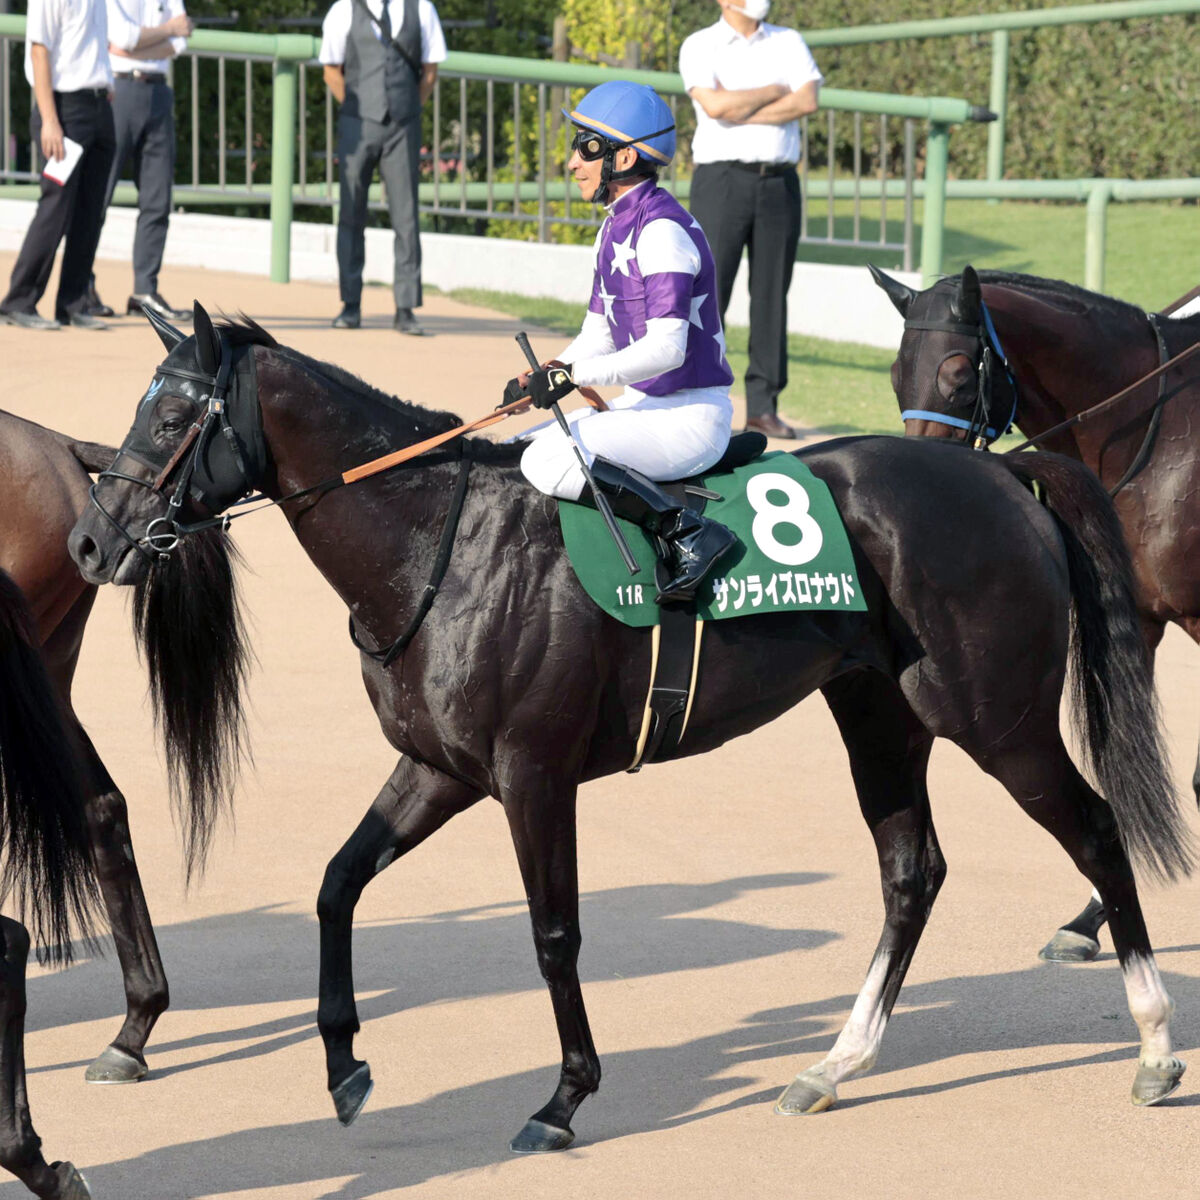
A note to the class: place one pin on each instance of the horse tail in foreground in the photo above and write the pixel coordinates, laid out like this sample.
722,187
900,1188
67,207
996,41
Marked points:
188,622
48,861
1114,705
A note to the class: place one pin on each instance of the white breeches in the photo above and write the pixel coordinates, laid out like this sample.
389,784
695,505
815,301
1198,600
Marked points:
663,437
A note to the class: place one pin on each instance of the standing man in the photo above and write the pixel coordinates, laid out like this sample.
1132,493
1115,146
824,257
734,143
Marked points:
750,84
66,63
143,36
380,59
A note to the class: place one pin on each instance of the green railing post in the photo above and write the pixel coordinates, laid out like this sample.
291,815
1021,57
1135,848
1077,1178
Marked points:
283,167
998,103
1099,194
933,219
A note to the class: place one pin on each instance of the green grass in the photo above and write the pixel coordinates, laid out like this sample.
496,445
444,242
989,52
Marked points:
843,387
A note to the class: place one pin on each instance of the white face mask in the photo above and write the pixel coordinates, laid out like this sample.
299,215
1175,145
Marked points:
756,10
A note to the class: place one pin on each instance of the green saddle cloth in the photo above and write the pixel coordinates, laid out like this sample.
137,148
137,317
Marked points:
792,552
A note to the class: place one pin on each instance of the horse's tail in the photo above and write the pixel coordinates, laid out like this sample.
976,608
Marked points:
48,860
188,623
1115,708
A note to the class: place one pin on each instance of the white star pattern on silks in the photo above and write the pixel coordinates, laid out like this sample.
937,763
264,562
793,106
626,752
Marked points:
719,338
632,339
623,255
607,298
697,303
696,224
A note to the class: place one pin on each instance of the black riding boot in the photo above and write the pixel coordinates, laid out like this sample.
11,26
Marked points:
688,543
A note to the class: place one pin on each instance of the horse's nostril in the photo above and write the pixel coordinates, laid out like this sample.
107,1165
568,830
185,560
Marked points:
84,549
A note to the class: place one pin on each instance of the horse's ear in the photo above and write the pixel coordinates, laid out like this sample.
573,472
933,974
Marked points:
168,334
968,301
898,293
208,344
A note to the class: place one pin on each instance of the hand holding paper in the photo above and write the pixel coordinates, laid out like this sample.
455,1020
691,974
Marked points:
60,170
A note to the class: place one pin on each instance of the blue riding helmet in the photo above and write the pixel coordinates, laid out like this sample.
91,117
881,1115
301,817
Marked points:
627,114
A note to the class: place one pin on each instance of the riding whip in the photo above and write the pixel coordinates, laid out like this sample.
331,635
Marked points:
601,502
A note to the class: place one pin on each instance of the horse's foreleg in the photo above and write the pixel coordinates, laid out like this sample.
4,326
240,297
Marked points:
20,1146
542,822
889,754
415,801
146,992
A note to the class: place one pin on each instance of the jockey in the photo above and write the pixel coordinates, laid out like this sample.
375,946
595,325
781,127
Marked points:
653,326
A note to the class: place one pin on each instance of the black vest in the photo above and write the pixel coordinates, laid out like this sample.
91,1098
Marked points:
382,79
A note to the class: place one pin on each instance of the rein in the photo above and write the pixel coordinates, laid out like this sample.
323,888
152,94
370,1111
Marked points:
1163,396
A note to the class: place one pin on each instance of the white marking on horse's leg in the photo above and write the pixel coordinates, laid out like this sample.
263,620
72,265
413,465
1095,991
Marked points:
1097,897
1151,1008
857,1045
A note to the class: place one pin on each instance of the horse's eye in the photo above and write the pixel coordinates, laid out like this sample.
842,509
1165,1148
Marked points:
172,424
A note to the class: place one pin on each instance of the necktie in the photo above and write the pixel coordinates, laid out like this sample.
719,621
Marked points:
385,21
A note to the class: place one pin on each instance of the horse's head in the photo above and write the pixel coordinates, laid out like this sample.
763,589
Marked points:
950,377
195,447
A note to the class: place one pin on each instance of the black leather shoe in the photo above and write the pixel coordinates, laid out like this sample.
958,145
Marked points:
155,302
349,318
82,320
30,320
406,322
94,306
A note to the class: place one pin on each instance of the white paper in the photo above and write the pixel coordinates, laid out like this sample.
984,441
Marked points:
60,170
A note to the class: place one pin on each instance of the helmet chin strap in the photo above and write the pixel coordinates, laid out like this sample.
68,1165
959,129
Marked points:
608,172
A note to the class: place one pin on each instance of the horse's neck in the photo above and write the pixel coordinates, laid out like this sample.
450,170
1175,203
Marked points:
1060,364
371,540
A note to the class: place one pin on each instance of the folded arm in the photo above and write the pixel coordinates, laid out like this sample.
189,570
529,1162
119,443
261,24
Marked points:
736,105
792,107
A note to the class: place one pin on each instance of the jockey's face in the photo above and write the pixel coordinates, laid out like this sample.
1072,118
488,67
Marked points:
587,171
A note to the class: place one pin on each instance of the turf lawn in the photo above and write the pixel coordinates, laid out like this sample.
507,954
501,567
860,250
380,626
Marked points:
842,387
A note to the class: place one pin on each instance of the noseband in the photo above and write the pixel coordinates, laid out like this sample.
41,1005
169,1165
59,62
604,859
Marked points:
981,428
163,534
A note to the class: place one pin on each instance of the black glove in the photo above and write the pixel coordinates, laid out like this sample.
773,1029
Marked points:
548,384
513,391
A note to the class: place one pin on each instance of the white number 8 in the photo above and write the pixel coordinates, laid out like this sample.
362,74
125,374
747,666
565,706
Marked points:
794,511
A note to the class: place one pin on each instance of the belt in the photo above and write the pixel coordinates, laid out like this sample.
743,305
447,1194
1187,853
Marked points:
92,91
143,76
760,168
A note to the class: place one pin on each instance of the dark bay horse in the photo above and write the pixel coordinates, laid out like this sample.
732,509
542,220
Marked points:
48,862
1069,349
518,687
44,484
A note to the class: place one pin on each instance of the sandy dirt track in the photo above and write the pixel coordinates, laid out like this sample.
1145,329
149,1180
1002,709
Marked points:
730,906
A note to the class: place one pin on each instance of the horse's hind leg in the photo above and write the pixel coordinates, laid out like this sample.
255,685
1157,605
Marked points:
20,1146
416,801
889,754
1045,782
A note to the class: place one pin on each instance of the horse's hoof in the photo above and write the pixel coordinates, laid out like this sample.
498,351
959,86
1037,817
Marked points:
117,1066
539,1138
1156,1082
810,1092
352,1094
1067,946
71,1183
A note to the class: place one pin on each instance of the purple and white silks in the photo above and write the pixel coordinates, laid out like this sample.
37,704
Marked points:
653,326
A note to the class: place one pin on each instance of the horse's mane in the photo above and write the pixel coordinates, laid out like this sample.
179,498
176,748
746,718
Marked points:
244,331
1068,296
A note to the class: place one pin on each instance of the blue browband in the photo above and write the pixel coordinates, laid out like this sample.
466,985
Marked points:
943,419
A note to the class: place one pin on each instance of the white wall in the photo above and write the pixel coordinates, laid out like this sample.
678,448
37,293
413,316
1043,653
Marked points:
840,303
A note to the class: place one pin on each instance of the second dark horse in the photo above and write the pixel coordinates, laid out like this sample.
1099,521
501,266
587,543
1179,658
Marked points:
519,687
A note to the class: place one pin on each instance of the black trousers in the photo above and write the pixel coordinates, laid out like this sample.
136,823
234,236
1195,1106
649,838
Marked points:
739,209
144,113
74,209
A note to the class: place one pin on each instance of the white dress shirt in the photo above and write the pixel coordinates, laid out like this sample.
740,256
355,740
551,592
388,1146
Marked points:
719,56
75,32
127,18
336,29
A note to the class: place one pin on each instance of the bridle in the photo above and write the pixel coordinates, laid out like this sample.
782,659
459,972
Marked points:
981,427
163,533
